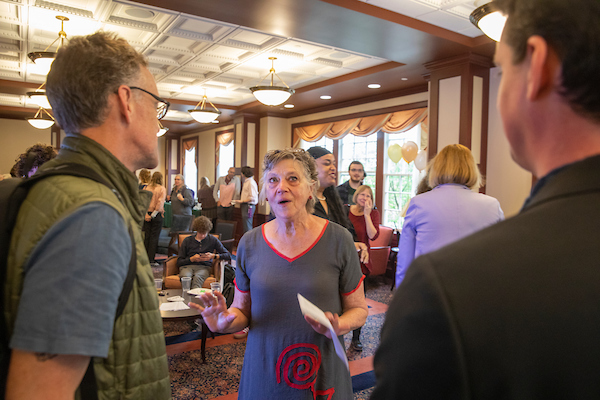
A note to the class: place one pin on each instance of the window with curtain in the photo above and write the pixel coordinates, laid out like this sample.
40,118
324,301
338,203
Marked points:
358,148
226,158
400,180
190,168
323,142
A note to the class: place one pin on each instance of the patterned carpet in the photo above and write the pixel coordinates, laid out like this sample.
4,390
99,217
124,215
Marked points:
190,379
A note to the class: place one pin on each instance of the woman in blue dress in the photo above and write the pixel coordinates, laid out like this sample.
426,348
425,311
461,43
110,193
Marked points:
287,355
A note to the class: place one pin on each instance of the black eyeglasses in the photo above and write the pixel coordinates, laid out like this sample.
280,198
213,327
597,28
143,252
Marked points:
163,106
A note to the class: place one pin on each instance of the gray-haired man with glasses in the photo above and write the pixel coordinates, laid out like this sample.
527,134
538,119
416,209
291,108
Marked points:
69,261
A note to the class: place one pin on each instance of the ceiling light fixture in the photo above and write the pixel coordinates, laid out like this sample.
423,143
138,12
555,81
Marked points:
374,86
45,58
272,95
203,115
325,97
289,106
42,122
489,19
162,130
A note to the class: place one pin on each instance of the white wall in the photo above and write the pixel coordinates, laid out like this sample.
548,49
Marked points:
15,137
505,180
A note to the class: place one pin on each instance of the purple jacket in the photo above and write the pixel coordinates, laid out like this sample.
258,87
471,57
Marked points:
434,219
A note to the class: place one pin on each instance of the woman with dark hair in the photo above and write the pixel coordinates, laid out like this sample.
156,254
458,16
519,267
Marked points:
450,211
154,217
297,252
329,205
206,199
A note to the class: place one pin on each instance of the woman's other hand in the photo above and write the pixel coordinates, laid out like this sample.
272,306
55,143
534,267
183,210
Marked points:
363,252
322,329
147,218
215,313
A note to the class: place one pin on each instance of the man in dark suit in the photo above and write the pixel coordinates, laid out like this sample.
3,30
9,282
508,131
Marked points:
513,312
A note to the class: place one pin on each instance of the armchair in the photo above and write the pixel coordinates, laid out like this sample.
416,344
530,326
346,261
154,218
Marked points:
380,250
171,273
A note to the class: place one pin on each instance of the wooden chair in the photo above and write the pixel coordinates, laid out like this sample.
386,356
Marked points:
380,250
226,229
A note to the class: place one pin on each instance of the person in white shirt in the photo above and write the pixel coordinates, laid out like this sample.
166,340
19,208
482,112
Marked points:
249,198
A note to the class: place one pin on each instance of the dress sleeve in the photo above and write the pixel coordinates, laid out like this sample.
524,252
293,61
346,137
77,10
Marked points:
72,284
407,245
242,281
376,219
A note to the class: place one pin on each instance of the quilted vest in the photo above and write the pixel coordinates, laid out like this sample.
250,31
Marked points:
136,366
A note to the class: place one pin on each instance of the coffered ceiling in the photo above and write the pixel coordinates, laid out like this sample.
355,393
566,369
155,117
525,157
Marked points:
330,47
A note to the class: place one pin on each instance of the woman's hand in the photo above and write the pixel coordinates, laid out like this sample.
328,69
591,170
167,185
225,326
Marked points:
179,196
368,207
334,319
215,313
147,217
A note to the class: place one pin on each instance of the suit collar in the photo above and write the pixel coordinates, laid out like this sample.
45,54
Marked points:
569,180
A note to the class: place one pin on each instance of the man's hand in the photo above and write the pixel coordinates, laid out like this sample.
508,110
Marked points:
196,258
147,217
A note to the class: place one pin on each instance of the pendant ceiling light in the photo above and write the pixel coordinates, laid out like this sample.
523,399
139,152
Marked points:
39,97
489,19
203,115
44,121
162,130
272,95
45,58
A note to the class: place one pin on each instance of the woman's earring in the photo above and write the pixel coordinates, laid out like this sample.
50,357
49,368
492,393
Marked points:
310,197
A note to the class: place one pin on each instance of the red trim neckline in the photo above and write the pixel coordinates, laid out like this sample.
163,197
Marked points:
299,255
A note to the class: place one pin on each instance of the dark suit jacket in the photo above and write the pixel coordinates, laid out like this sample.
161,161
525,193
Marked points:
511,312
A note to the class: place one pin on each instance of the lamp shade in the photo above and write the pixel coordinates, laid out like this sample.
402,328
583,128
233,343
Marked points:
204,116
39,98
272,95
490,20
40,123
162,131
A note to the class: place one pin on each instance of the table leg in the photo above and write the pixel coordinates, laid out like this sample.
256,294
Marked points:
203,342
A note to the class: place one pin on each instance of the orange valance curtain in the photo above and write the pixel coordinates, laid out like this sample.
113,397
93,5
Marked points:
225,138
222,139
396,122
189,145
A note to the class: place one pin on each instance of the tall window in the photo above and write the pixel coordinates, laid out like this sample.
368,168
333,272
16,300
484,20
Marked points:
400,180
190,169
358,148
226,158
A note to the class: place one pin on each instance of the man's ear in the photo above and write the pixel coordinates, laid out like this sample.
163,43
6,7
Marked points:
125,102
544,68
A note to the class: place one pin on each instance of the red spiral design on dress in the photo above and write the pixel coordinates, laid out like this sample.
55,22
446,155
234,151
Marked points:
303,360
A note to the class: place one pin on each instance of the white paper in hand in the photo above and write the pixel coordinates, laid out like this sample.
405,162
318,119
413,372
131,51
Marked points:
318,315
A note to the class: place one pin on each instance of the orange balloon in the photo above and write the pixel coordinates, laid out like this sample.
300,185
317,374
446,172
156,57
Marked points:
409,151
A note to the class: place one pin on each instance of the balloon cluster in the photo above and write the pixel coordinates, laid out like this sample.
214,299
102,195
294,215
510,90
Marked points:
409,152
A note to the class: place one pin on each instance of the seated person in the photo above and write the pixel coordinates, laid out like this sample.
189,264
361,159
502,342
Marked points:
198,252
